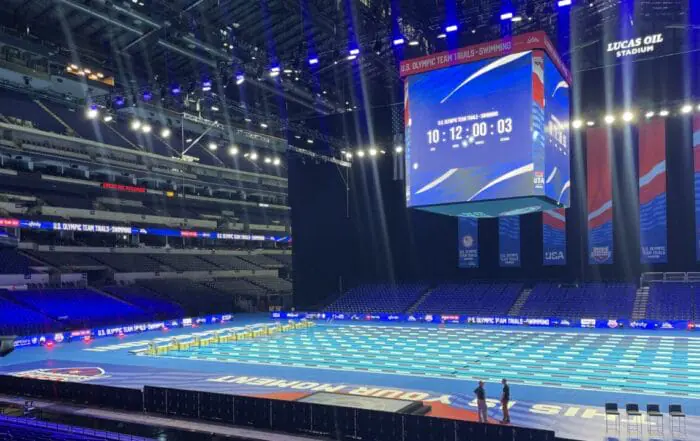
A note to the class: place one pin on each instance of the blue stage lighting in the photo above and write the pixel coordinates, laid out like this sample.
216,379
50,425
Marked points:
313,60
118,101
147,96
451,28
506,16
398,41
354,51
206,86
562,3
175,89
240,78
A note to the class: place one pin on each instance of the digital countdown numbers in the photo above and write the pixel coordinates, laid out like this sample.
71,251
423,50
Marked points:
471,130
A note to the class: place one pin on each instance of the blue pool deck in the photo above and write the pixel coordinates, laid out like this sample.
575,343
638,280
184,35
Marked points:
560,378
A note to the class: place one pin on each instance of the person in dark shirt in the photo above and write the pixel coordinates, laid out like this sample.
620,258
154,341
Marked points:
481,402
505,398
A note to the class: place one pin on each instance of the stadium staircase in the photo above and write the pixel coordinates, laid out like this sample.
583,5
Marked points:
640,303
518,305
420,300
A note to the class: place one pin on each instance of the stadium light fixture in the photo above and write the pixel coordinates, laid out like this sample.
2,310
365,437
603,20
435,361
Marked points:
74,67
398,41
687,108
649,114
275,71
609,119
664,112
590,123
360,153
92,112
253,156
165,132
267,160
233,150
263,125
240,78
206,86
247,120
413,43
146,128
563,3
213,146
354,51
441,36
288,71
348,155
309,141
507,16
313,61
107,118
398,149
135,124
627,116
451,28
215,108
577,123
516,19
175,89
373,151
276,161
351,57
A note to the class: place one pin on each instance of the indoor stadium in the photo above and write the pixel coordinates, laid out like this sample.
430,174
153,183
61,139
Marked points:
357,220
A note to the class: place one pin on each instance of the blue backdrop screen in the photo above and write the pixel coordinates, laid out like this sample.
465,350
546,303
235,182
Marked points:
469,132
556,109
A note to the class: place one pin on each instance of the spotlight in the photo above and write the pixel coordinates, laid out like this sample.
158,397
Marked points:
146,128
313,61
687,108
213,146
398,149
506,16
590,123
451,28
247,119
206,86
516,19
441,36
175,89
165,132
107,118
413,43
577,123
664,112
562,3
276,161
354,51
253,156
92,113
275,71
215,108
87,71
627,116
372,151
240,78
135,124
609,119
263,125
649,114
287,71
118,101
361,153
309,141
74,67
147,96
398,41
348,155
233,150
268,160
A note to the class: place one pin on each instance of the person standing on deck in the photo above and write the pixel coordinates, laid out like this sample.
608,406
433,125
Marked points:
481,402
505,398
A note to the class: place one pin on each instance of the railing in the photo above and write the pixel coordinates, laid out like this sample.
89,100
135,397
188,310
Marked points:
61,428
647,278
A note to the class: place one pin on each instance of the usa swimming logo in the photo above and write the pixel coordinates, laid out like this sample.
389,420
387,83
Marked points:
468,241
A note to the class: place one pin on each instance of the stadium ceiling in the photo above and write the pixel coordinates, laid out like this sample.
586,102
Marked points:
185,41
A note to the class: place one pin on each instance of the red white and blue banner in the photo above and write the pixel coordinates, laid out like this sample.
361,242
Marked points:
509,241
468,242
696,157
554,237
652,191
600,204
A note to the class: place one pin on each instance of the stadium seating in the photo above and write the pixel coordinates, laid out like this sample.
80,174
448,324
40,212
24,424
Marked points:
20,320
379,298
66,260
23,429
262,261
592,300
272,284
195,297
228,262
131,262
79,307
11,262
472,299
147,300
673,301
236,286
184,262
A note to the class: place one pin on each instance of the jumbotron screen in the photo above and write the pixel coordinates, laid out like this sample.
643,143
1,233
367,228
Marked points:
490,130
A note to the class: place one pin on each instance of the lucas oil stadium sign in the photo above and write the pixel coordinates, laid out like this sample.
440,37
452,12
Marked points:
635,46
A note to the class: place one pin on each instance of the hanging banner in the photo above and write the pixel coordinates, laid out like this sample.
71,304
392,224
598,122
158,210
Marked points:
468,242
554,237
696,157
652,191
509,241
600,204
